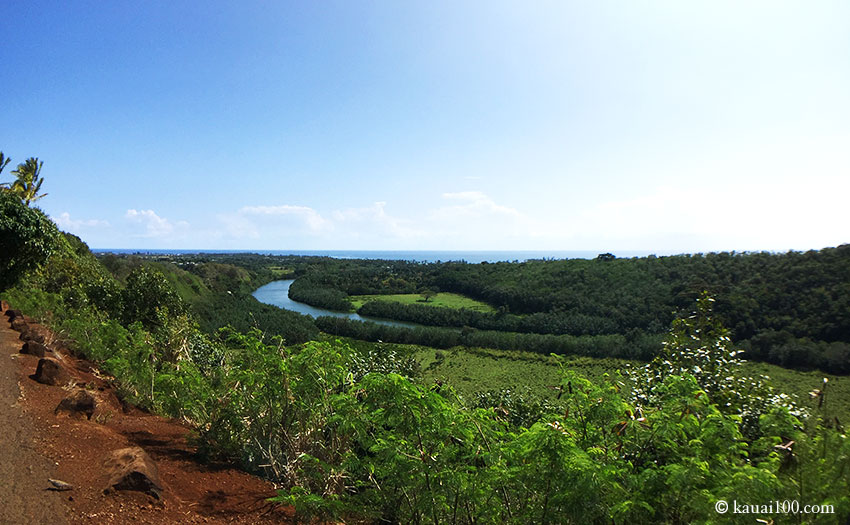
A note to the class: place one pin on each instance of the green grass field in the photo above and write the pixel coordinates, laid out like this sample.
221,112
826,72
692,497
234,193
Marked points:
476,370
443,299
281,271
799,384
472,370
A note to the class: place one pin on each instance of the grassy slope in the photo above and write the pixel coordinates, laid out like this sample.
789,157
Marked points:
471,370
188,286
475,370
801,383
443,299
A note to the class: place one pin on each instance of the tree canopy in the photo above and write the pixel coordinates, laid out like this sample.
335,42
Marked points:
27,238
28,181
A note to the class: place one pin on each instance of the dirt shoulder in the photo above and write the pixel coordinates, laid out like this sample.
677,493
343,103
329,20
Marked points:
39,444
24,470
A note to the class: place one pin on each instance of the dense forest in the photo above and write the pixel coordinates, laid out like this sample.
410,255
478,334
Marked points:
352,433
219,293
790,309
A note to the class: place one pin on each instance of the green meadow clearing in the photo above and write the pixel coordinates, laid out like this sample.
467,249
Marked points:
281,271
476,370
473,370
442,299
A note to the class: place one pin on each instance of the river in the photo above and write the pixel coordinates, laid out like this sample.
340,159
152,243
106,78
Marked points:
276,293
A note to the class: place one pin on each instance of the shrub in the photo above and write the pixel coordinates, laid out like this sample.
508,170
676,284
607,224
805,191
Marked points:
27,239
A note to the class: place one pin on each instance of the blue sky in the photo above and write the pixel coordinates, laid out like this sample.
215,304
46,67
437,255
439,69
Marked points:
658,126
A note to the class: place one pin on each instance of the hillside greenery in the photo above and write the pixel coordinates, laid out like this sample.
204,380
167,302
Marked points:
789,309
363,432
219,294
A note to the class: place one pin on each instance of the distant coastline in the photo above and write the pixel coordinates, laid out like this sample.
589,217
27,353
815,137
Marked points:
470,256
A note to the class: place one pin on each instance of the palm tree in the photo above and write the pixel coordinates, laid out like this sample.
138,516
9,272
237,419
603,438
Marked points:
28,182
3,161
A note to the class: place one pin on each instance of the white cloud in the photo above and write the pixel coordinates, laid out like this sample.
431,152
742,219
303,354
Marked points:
308,216
302,225
692,215
155,226
235,226
476,218
373,220
475,204
65,222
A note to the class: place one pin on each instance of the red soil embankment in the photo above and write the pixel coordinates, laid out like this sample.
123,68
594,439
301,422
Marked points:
73,449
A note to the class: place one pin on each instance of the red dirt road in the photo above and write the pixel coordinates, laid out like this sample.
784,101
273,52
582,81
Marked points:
24,471
36,445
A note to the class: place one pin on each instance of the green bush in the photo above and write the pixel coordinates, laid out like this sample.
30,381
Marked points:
27,239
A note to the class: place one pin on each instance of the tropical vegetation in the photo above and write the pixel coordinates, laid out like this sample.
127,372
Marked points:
27,184
788,309
352,432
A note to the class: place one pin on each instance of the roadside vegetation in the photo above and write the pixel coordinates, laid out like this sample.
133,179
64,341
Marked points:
385,432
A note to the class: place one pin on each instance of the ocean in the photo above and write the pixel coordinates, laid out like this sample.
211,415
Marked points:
404,255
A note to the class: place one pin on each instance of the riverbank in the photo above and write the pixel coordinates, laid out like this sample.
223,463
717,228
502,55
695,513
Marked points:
276,293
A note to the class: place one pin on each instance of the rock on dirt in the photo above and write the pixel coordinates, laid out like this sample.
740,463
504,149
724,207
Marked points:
33,348
50,372
132,469
23,463
73,450
79,403
60,485
32,334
